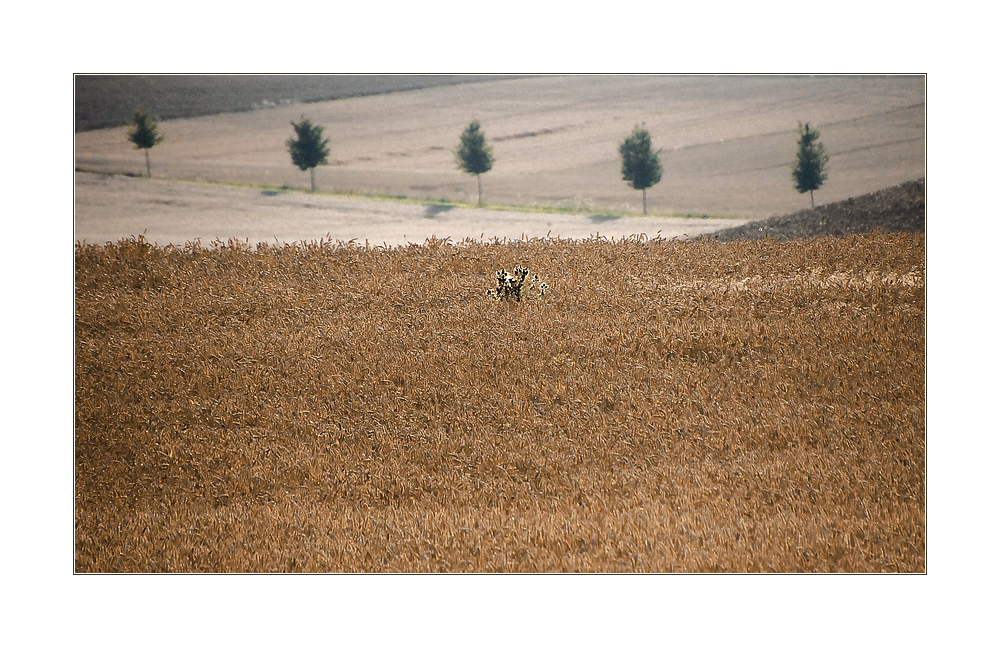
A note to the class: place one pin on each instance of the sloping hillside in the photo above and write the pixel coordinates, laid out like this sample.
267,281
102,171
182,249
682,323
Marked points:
727,142
106,100
896,209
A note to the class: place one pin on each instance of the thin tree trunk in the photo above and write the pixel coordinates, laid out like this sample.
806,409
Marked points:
312,177
644,202
479,180
149,173
812,202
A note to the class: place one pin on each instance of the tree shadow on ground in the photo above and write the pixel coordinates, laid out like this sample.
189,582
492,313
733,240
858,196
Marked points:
434,210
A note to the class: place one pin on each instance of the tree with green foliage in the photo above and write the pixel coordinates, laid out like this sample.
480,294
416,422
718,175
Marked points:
308,148
809,171
143,133
473,155
640,164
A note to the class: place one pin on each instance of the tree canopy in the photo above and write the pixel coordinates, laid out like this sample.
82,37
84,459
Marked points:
809,171
474,155
143,133
308,148
640,164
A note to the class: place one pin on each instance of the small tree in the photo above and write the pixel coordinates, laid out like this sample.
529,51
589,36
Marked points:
809,171
473,155
308,148
640,165
143,133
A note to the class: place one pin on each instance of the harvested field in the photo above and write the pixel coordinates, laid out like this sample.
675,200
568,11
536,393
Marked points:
686,406
727,142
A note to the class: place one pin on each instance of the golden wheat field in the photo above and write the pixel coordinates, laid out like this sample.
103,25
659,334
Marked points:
664,406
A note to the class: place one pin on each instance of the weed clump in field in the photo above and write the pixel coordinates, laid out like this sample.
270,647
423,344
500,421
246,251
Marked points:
511,286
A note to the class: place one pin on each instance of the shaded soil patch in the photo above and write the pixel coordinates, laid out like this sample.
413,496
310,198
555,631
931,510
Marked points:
106,100
896,209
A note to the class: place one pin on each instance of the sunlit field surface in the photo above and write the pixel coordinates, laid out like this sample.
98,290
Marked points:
666,406
726,142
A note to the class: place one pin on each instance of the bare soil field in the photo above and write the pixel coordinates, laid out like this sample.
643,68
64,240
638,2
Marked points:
104,101
894,209
727,142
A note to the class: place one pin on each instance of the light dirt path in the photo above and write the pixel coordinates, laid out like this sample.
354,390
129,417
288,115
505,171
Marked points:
109,208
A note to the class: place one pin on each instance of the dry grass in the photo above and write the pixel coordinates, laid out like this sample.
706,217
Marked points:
666,406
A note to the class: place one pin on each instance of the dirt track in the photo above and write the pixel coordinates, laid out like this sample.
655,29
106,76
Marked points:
109,208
